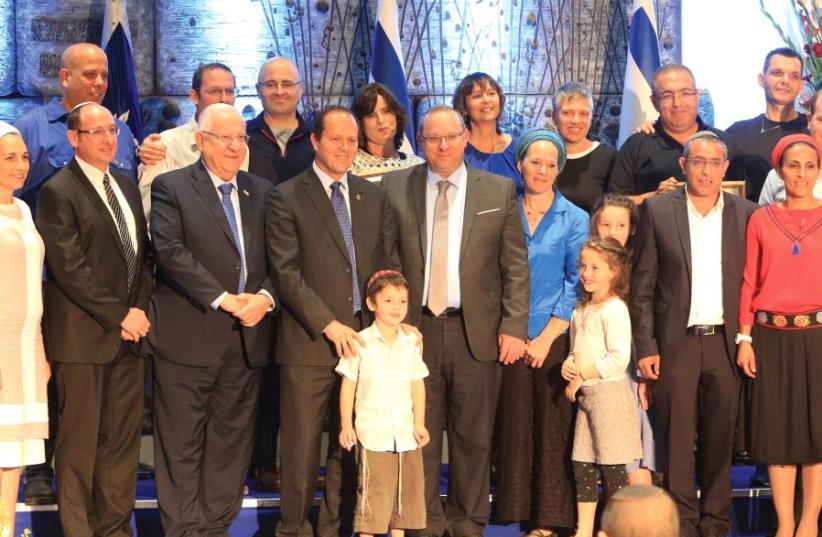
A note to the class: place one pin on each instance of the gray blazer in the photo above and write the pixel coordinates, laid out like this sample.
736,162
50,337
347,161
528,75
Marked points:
494,276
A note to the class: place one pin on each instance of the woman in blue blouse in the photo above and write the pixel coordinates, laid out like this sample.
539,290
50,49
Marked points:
535,420
480,101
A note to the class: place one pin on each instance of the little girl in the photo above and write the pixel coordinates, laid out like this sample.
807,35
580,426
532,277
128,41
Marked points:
383,387
606,436
616,216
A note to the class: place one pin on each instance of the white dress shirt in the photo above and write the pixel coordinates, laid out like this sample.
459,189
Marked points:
96,177
706,264
181,151
456,211
382,401
327,181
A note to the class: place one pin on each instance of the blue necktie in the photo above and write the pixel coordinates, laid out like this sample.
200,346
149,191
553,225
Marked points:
338,202
228,208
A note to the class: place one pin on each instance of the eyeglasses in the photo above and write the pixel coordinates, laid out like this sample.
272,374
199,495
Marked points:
448,138
669,96
700,163
101,133
225,139
219,92
285,85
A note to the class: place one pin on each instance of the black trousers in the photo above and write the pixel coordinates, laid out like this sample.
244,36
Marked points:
309,394
461,396
97,449
695,404
203,434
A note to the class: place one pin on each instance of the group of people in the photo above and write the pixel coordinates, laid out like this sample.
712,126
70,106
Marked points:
277,273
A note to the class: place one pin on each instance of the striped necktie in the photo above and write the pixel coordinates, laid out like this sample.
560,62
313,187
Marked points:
122,228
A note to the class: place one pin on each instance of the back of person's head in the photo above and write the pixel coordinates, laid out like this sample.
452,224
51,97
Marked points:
640,511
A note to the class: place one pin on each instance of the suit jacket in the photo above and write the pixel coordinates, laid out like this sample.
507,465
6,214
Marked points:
309,260
197,261
494,276
86,294
661,280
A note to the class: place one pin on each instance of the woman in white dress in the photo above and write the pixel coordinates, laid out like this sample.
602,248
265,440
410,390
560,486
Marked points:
24,371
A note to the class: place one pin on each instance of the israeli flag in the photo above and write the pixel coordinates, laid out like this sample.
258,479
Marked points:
386,63
642,63
121,98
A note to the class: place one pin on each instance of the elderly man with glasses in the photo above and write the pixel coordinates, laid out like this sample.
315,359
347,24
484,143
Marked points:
176,148
211,311
648,162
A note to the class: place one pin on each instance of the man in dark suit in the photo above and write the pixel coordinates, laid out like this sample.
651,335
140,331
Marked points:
211,328
469,294
684,311
98,282
328,232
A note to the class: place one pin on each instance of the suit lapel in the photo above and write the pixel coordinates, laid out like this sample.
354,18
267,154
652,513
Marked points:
417,188
730,244
681,216
98,204
357,202
472,199
136,207
316,194
202,185
244,195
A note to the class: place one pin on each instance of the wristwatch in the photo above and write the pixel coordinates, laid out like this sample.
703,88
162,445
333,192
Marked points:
743,337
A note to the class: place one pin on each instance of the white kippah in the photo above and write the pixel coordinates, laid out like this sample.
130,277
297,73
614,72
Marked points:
7,128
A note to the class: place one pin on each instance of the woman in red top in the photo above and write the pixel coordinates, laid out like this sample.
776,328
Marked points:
780,340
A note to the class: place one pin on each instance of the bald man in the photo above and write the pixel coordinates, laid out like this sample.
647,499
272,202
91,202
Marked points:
640,511
98,281
211,307
279,141
280,148
83,78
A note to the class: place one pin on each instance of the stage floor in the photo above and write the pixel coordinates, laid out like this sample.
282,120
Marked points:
753,513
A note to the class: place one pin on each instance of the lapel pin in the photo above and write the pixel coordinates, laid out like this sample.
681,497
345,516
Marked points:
359,197
245,192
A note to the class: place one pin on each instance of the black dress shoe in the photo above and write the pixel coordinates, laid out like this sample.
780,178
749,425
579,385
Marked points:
38,491
268,480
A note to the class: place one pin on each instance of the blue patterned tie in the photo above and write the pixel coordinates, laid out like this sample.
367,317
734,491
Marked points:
338,202
228,208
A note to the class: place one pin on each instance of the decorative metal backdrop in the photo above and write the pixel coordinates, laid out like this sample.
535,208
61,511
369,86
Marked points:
530,46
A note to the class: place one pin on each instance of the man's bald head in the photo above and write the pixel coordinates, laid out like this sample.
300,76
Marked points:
83,74
279,88
640,511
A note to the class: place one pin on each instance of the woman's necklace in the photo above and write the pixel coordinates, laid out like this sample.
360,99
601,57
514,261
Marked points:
796,239
530,210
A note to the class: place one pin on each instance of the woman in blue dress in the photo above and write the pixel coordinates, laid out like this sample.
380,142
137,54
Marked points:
480,101
535,420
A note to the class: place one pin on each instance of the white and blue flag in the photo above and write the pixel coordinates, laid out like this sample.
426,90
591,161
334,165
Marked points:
386,63
642,63
121,98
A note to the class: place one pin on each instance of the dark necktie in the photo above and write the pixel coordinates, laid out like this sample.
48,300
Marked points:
228,209
338,202
122,228
438,276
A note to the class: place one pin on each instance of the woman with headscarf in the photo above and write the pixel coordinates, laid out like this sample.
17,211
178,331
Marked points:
23,367
535,476
780,339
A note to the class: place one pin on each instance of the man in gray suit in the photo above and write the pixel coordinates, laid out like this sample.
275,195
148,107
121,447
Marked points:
462,248
328,231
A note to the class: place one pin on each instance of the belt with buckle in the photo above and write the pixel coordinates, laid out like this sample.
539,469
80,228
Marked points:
704,329
448,312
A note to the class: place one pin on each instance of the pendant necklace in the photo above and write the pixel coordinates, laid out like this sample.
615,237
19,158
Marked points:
796,239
